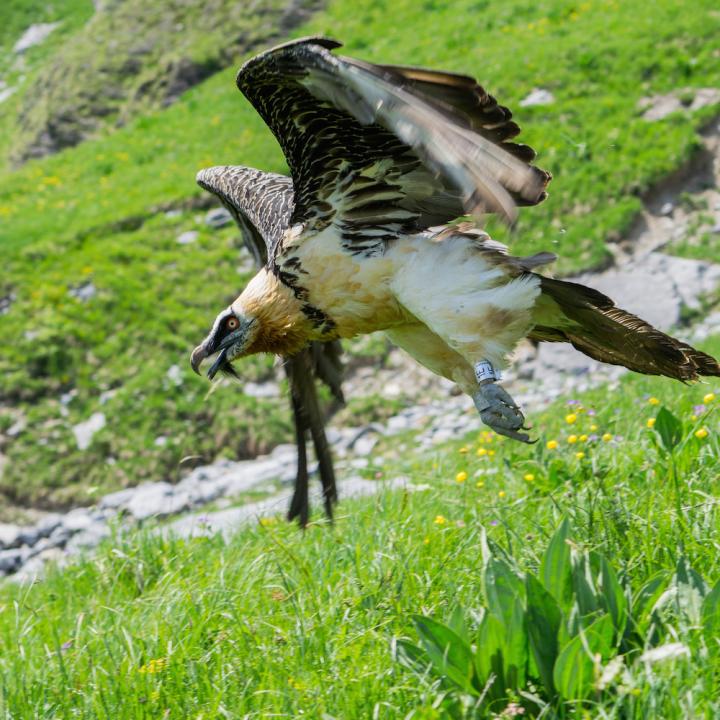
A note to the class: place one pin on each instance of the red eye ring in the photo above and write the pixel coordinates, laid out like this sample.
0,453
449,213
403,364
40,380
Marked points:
232,323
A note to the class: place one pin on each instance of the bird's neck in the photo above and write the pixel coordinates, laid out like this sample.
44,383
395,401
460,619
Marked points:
282,327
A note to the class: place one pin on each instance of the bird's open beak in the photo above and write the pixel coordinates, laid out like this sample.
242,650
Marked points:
198,355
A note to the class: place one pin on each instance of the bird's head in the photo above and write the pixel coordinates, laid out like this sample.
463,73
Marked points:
231,337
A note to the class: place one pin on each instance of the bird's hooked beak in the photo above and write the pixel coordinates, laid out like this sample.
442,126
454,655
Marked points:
228,338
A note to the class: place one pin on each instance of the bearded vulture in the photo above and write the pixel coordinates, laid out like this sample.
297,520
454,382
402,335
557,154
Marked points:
378,228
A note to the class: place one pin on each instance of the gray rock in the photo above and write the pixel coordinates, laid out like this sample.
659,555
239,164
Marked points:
117,499
188,237
48,524
10,535
11,560
84,431
84,292
262,390
6,302
88,538
59,536
34,35
218,218
538,96
667,209
77,520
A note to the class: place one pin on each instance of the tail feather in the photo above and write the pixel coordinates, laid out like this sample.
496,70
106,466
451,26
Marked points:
592,323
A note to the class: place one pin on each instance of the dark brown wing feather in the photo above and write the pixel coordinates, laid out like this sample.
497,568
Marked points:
603,331
368,149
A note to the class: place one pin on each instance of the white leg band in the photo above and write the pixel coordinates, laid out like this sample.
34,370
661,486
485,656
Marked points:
485,371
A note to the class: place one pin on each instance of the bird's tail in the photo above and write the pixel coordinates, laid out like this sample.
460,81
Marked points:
569,312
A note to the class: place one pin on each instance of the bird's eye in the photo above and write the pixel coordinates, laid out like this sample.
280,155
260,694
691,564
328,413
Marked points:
232,323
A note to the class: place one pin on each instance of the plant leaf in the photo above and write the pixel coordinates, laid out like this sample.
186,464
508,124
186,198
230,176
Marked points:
613,596
711,619
586,595
543,624
556,569
489,658
450,655
669,428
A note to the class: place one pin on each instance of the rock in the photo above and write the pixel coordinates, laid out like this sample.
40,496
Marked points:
77,520
658,107
17,427
667,209
188,237
84,431
59,536
218,218
537,97
47,525
89,538
261,390
6,303
34,35
157,500
11,560
5,93
84,292
10,535
175,375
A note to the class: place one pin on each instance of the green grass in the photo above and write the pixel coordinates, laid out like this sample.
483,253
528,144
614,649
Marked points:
276,622
70,218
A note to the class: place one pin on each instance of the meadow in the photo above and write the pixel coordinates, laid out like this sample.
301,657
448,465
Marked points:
375,616
95,214
575,578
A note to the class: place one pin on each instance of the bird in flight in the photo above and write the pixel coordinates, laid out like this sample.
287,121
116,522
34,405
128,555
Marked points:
379,229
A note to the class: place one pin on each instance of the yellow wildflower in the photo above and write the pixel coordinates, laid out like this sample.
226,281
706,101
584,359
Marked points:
529,477
607,437
701,434
572,439
579,455
267,521
439,520
583,438
479,484
571,418
463,450
709,398
593,428
426,541
491,453
653,401
461,477
481,451
651,422
552,444
154,666
501,494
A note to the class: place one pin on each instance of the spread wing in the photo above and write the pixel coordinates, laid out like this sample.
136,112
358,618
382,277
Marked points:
260,202
382,150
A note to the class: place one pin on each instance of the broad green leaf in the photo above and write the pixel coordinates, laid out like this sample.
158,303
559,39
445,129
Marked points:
457,624
449,654
410,656
711,619
612,596
516,647
669,428
489,658
556,570
502,586
691,589
646,599
586,594
574,672
543,624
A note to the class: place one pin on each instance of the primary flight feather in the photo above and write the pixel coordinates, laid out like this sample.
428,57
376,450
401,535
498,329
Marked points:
361,238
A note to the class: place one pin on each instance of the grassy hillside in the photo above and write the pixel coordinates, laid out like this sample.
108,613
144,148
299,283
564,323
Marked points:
281,623
90,215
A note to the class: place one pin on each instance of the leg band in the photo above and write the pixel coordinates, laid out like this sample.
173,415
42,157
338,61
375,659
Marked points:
485,371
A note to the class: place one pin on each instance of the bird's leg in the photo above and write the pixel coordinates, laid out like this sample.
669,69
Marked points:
497,409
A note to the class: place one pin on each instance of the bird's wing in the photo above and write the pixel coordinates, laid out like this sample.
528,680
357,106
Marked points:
260,202
381,150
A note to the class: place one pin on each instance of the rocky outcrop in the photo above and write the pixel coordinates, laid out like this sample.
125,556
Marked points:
133,56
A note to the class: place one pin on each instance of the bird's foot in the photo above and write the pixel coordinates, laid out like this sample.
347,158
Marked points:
497,409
